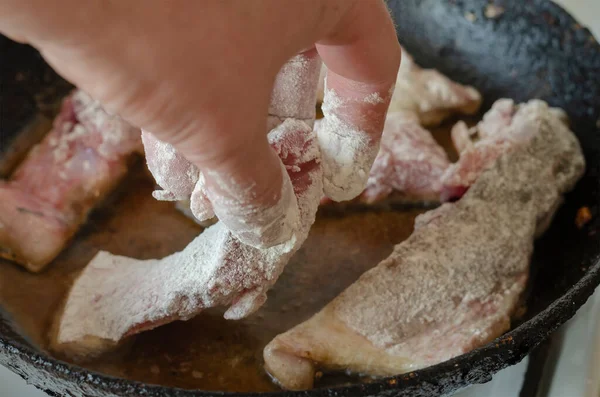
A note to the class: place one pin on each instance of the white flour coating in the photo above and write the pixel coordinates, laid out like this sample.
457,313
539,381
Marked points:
500,210
430,94
462,138
107,135
63,178
410,162
117,135
499,131
274,121
171,171
454,283
61,145
347,152
374,99
258,226
495,121
117,296
295,88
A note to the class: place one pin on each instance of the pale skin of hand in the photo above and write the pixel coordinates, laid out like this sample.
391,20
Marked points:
199,74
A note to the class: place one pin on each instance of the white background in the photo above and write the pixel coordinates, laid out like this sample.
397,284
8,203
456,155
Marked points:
588,13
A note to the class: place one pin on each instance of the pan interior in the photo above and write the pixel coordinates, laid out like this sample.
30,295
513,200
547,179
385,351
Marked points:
207,352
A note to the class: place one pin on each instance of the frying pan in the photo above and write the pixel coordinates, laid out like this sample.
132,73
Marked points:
534,49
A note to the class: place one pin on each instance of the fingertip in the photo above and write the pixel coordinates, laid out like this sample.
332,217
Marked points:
254,197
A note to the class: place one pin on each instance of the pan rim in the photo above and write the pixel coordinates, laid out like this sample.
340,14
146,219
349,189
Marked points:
546,321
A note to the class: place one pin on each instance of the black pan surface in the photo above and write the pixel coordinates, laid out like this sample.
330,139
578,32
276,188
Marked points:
533,49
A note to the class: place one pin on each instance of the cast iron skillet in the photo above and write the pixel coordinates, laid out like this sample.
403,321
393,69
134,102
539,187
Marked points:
533,50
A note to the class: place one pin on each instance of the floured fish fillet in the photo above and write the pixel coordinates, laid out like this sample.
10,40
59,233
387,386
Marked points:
430,94
454,283
116,296
410,162
481,145
427,93
63,178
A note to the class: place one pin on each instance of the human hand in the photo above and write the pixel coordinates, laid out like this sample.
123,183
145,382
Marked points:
199,75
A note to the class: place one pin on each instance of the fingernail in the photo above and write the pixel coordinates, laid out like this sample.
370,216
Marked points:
347,153
295,89
171,171
200,205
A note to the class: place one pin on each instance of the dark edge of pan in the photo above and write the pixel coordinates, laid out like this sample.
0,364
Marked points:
534,49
